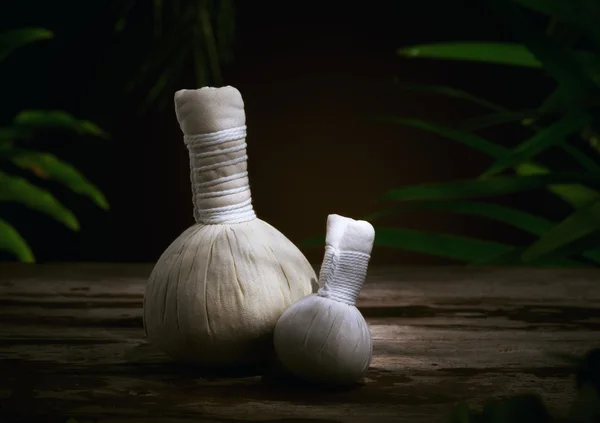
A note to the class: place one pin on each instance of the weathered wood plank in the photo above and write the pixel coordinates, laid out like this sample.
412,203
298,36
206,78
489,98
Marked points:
71,344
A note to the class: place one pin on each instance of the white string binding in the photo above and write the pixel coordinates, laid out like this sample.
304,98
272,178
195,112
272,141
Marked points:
215,138
342,275
218,152
222,179
234,213
220,164
222,193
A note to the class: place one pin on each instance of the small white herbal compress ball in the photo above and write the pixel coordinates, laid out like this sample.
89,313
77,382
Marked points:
323,338
216,293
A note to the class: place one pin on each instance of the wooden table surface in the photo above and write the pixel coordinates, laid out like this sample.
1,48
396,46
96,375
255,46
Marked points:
72,346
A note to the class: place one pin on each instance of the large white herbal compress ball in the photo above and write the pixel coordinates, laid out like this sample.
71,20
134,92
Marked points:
216,293
323,338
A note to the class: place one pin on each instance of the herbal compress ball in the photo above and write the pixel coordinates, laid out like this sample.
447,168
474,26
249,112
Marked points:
216,293
323,338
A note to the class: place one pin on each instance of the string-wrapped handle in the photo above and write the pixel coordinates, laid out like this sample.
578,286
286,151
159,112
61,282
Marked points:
348,249
213,123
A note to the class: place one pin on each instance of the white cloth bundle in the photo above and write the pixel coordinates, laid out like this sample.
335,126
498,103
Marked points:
323,338
216,293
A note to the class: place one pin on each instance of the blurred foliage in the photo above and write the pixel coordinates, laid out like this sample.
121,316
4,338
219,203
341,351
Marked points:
184,35
529,408
197,34
568,51
26,125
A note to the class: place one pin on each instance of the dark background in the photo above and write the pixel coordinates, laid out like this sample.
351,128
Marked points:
314,76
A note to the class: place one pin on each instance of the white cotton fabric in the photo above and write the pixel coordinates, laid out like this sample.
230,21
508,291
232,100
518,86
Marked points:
348,246
216,293
213,122
323,337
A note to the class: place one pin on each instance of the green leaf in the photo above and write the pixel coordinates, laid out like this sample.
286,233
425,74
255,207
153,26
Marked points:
585,161
501,53
19,190
168,77
545,138
585,246
12,242
13,39
499,118
500,185
164,65
47,166
579,14
519,219
32,120
528,118
590,62
558,101
443,245
513,258
527,222
581,223
465,138
453,93
177,39
575,195
184,31
557,60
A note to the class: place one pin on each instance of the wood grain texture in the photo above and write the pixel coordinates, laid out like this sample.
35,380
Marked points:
72,345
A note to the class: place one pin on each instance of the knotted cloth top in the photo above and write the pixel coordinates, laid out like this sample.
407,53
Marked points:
348,249
213,122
